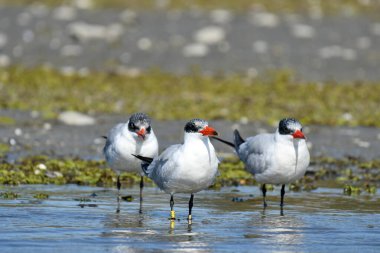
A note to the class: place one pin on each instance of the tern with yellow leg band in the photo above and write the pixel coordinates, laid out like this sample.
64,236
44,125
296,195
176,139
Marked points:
185,168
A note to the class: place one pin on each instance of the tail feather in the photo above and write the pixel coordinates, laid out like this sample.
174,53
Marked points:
146,162
224,141
238,140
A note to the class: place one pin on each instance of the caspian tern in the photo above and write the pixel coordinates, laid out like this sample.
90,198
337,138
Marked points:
278,158
134,137
185,168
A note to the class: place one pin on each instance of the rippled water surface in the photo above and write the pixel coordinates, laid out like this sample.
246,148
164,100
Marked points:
320,221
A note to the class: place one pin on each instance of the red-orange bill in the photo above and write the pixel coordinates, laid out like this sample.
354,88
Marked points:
208,131
298,135
141,133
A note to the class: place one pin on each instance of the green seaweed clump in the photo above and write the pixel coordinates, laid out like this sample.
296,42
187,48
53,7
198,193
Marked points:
351,174
9,195
6,120
232,172
44,170
351,190
307,183
128,198
370,189
4,148
41,195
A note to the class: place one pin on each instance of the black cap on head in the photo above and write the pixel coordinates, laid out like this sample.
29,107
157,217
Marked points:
138,120
289,126
194,125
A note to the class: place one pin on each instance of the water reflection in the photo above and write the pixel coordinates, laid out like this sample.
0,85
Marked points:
284,229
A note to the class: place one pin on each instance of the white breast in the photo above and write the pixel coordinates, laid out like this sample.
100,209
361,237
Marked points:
193,168
119,152
288,163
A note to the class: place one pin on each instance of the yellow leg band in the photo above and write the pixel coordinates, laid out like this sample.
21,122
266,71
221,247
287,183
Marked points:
189,217
172,215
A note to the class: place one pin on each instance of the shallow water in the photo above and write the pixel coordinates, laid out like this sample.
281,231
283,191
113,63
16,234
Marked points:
320,221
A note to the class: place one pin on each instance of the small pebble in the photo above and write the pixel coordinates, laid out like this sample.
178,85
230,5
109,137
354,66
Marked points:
221,16
303,31
144,44
18,132
264,19
12,142
195,50
210,35
64,13
5,61
75,118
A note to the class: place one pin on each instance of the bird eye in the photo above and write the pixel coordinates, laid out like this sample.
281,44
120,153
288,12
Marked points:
132,126
148,129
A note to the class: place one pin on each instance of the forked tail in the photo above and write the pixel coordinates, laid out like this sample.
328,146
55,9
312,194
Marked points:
238,140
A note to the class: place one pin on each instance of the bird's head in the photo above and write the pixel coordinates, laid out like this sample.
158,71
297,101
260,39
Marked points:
199,127
292,128
139,125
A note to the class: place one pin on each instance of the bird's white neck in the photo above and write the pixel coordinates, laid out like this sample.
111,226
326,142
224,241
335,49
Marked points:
192,138
200,146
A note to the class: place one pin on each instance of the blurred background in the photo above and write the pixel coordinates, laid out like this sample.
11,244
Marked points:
317,40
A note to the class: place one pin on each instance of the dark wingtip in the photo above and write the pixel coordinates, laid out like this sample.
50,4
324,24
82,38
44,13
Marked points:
143,158
224,141
238,140
104,137
146,162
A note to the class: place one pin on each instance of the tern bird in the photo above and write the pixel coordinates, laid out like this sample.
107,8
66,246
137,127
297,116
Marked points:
185,168
134,137
278,158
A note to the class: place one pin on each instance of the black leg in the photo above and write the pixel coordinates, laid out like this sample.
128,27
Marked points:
141,187
172,212
264,190
118,185
190,207
282,194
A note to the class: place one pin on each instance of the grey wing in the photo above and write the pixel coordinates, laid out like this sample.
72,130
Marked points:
255,152
163,163
111,138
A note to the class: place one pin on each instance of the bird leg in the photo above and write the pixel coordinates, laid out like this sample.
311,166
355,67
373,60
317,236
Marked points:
141,188
172,212
189,218
264,190
282,195
118,185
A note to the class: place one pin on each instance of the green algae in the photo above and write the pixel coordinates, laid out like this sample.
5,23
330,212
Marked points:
4,148
6,121
349,174
9,195
337,6
234,97
41,195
